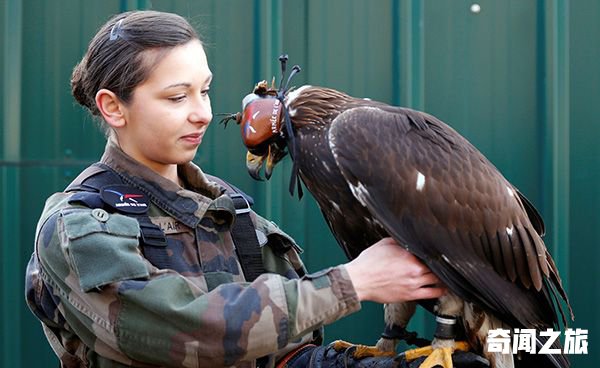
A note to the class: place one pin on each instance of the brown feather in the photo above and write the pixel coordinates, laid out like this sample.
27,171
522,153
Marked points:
540,249
496,253
379,170
507,254
531,254
520,257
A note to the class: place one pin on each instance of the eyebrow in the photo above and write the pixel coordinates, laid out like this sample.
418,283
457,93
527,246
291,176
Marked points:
186,84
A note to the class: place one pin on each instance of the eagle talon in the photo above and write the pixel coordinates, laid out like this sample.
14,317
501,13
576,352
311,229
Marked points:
360,351
441,356
395,332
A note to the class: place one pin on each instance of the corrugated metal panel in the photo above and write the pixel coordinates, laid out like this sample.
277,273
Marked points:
583,154
472,82
10,229
520,79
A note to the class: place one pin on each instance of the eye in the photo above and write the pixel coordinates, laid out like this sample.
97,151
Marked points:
177,98
205,92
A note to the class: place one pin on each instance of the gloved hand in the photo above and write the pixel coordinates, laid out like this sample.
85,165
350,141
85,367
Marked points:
330,357
460,359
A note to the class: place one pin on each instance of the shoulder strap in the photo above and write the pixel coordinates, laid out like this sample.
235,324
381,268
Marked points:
153,239
245,240
88,185
93,178
243,232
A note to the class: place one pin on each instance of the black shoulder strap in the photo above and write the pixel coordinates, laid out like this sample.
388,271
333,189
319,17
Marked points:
245,240
93,178
153,239
88,185
243,232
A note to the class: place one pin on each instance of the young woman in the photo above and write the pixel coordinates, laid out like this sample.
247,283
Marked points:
135,263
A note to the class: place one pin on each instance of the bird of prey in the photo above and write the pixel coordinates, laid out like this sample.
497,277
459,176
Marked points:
377,170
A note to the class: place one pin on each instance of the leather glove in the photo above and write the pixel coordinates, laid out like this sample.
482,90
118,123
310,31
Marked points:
329,357
460,359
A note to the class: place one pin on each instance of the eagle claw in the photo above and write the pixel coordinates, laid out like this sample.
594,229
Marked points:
441,356
360,351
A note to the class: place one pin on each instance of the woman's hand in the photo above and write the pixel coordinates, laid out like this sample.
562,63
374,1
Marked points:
387,273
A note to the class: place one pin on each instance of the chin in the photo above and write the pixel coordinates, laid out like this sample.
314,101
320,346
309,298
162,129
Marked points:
184,159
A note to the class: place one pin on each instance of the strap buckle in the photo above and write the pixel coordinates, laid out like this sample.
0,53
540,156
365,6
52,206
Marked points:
241,206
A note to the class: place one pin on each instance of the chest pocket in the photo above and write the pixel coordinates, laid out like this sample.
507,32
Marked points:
163,244
219,261
102,247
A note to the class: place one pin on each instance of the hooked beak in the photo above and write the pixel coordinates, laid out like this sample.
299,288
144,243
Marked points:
254,163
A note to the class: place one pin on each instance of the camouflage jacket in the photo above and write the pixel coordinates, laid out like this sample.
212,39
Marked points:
103,302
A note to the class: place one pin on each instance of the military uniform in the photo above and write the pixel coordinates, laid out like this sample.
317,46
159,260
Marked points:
105,301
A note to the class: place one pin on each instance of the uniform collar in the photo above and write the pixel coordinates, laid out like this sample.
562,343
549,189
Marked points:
188,205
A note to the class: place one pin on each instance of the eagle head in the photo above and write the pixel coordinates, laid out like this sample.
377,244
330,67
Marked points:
262,129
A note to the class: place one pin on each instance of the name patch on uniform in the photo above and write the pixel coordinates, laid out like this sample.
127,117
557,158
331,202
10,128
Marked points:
125,199
168,225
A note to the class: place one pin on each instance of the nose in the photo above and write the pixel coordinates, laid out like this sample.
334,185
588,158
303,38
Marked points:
201,112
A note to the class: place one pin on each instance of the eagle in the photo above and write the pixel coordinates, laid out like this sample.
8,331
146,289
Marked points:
378,171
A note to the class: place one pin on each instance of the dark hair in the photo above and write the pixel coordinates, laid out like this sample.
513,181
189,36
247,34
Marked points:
117,57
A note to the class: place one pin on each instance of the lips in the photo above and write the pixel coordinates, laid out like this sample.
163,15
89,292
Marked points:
194,138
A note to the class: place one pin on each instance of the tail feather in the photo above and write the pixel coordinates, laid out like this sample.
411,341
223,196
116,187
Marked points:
543,360
480,323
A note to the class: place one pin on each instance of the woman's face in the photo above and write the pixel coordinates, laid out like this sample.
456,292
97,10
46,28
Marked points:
169,112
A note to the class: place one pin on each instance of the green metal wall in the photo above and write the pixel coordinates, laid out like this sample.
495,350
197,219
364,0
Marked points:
520,79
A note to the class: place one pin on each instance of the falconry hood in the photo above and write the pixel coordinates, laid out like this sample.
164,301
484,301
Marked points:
261,120
265,126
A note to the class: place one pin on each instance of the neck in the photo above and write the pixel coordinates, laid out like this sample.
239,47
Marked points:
315,106
167,171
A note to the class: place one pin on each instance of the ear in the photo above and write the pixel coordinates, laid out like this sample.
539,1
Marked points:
111,108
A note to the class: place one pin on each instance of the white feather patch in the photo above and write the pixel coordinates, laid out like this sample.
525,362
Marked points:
374,108
291,97
294,94
335,206
420,181
359,192
332,143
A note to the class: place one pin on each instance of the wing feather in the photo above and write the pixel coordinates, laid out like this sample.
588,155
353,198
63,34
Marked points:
533,214
533,266
520,257
483,240
443,200
507,255
496,254
542,254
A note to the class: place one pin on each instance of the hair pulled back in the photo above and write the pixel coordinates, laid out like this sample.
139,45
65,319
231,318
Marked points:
116,58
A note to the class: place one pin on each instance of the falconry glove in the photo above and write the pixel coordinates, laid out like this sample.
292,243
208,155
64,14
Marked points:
460,359
331,356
